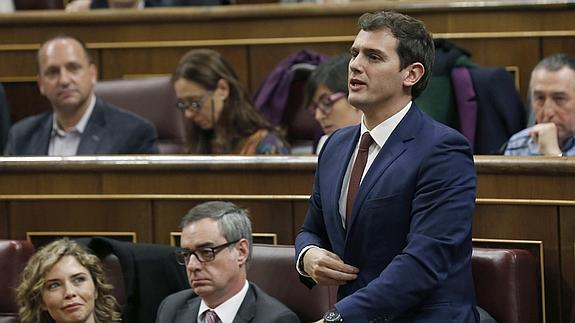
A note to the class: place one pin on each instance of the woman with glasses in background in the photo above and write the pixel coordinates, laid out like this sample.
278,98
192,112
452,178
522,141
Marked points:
222,117
326,97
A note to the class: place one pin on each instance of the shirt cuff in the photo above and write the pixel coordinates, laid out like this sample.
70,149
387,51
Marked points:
299,261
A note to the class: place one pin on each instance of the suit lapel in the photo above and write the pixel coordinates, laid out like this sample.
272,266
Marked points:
41,140
395,145
189,314
95,131
247,310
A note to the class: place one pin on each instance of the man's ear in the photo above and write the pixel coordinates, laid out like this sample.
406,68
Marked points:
243,249
413,73
93,74
39,82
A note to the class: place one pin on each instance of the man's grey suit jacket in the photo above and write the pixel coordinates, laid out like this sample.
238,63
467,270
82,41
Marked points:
110,130
257,307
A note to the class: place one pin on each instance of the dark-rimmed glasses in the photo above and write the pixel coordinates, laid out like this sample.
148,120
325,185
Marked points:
188,103
325,103
205,254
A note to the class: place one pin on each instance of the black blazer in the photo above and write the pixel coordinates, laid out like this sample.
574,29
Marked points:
150,274
110,130
500,111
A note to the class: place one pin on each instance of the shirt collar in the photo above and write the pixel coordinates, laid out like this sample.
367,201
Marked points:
80,126
227,310
382,131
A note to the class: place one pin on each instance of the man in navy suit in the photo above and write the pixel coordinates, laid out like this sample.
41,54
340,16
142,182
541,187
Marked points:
400,248
80,123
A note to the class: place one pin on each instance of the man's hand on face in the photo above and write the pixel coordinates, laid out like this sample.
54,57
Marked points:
545,136
79,5
326,268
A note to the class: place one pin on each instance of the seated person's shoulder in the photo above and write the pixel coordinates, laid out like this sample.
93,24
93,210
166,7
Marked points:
268,306
176,300
33,120
31,124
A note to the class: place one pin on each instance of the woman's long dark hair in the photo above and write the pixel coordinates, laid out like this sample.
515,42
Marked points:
238,120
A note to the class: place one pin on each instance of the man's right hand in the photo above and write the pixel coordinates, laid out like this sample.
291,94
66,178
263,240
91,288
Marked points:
545,136
326,268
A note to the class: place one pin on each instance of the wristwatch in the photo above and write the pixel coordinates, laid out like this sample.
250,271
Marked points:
332,316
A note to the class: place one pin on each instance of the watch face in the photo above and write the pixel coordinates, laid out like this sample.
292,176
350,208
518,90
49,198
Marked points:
332,316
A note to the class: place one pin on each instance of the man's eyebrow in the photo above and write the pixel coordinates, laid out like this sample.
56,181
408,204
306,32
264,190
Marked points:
374,51
203,245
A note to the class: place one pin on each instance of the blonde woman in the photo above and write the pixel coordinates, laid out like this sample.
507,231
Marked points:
63,282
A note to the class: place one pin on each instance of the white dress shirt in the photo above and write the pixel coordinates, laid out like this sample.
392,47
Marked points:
227,310
66,142
380,134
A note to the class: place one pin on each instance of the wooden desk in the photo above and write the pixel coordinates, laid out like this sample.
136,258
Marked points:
517,199
255,38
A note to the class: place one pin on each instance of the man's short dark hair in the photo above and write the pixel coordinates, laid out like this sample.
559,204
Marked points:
415,41
63,36
233,221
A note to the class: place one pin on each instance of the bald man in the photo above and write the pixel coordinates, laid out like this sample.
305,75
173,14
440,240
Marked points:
79,123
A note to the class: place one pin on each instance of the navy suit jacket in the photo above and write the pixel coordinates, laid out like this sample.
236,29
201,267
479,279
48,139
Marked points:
110,130
410,230
257,307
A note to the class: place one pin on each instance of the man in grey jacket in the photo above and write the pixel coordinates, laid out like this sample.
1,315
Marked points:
216,246
79,123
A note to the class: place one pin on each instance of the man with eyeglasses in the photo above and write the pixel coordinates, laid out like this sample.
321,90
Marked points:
216,247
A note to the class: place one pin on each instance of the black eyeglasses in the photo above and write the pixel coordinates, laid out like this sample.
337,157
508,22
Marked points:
325,103
188,103
206,254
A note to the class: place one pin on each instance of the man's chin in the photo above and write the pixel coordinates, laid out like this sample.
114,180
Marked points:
357,102
68,106
202,290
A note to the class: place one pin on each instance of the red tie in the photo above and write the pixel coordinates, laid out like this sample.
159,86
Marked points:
356,173
211,317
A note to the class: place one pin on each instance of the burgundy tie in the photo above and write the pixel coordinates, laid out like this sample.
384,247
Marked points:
356,173
211,317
